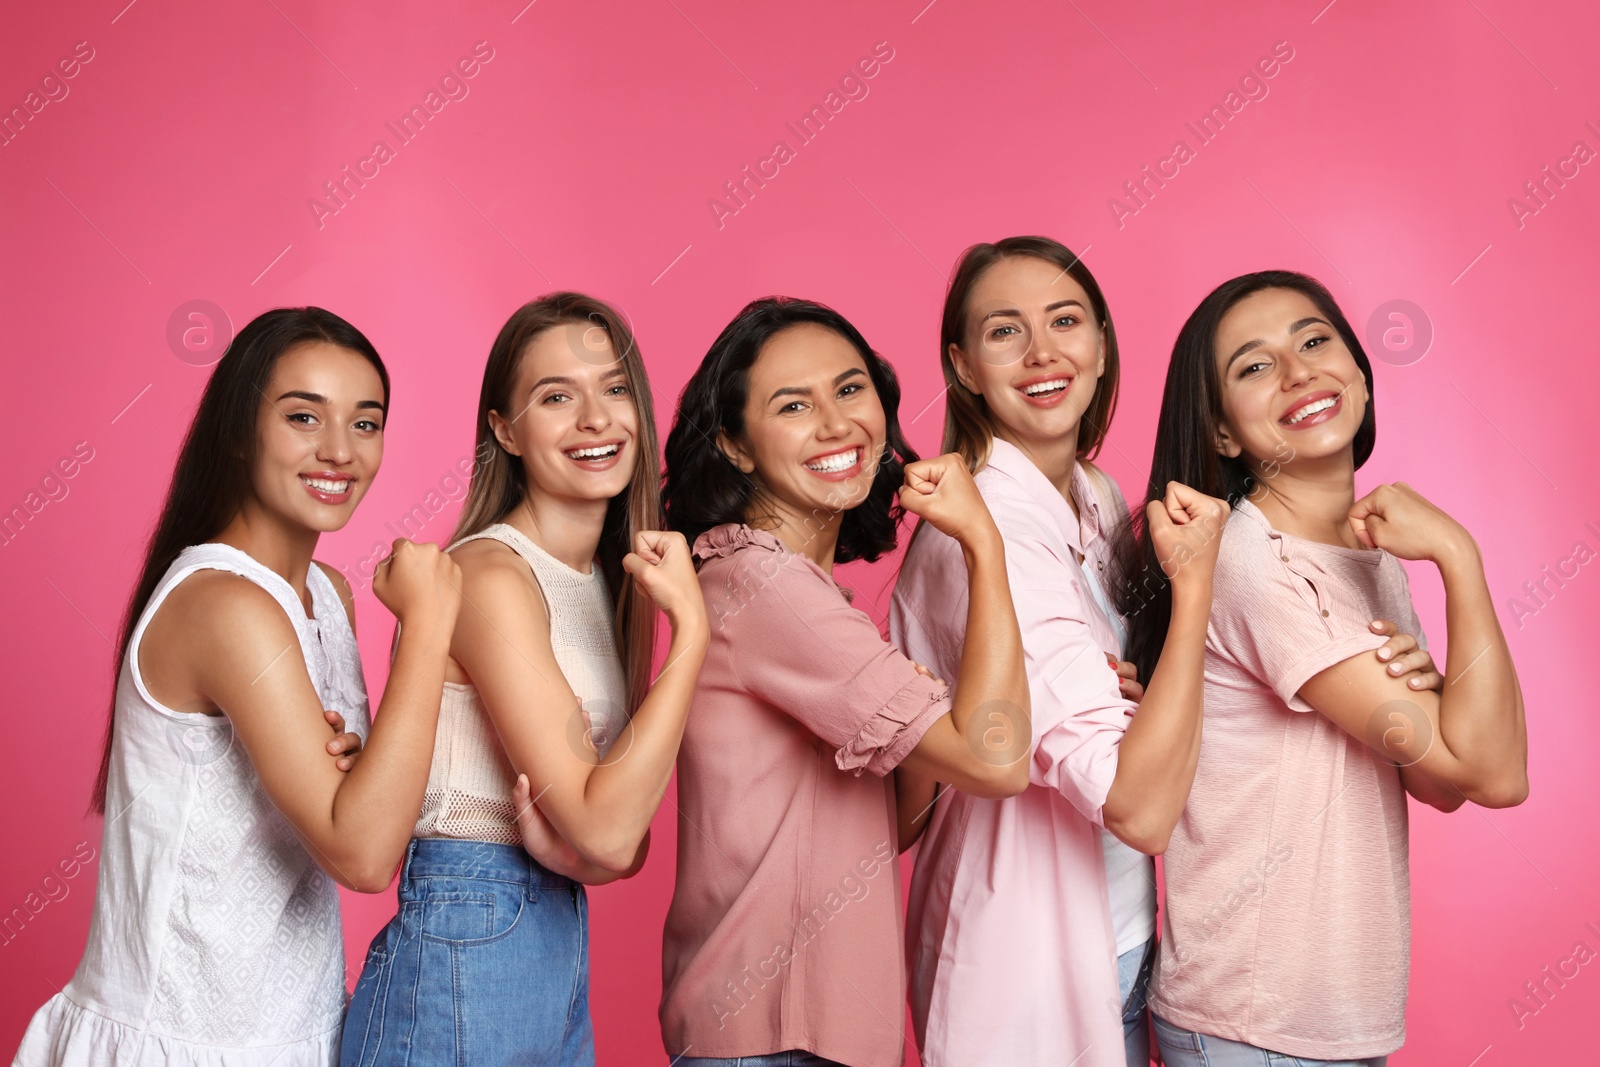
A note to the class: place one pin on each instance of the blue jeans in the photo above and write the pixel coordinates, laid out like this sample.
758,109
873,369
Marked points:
1133,984
487,962
771,1059
1185,1048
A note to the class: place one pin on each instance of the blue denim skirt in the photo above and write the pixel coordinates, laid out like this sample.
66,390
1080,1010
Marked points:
486,962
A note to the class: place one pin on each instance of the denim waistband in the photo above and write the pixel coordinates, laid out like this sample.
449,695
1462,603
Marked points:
440,857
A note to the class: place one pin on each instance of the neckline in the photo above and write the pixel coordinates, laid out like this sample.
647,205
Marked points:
1364,555
587,576
310,616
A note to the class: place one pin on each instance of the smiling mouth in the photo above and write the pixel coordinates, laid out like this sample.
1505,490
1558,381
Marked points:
597,453
328,486
839,461
1305,411
1049,388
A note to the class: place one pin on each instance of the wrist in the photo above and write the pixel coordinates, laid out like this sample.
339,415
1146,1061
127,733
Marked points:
1458,556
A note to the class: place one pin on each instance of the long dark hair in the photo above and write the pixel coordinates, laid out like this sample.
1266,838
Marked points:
968,425
1186,447
704,489
215,471
500,482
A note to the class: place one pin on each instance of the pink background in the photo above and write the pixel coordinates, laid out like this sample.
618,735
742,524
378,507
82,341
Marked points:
179,166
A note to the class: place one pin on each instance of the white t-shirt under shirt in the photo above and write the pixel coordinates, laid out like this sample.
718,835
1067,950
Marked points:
1130,874
1288,912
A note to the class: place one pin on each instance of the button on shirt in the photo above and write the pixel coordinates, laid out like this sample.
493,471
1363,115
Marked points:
1011,947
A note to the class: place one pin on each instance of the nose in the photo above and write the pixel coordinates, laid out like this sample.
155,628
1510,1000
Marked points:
335,444
1296,371
832,422
592,415
1044,346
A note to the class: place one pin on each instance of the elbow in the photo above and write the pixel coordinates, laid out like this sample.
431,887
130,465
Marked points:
1507,793
1000,782
366,877
1138,826
1142,835
614,855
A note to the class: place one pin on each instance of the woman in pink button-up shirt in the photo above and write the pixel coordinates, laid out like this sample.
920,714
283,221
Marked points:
783,944
1030,358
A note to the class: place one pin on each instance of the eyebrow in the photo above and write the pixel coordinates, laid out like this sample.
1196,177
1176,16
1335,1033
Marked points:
318,398
561,379
1013,312
1294,328
805,390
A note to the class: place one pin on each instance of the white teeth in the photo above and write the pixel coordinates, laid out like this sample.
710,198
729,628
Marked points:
1312,408
603,452
324,485
839,462
1040,388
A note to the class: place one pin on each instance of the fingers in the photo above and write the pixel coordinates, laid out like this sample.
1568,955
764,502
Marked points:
1397,646
334,720
1131,690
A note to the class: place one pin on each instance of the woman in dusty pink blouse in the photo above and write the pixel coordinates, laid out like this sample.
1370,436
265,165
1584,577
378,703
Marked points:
1287,920
783,944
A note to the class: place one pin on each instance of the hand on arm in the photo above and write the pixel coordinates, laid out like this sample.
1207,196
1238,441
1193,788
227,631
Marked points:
1468,741
243,657
1159,752
601,808
982,746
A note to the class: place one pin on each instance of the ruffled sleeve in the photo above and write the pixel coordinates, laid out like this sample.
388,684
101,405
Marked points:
797,644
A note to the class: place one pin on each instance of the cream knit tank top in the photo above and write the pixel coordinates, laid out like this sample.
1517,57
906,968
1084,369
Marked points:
470,781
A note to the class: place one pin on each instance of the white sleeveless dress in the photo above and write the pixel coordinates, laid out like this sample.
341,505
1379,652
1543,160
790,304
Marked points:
215,939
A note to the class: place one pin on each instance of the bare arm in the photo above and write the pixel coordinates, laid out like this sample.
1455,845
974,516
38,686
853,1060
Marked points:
1470,740
603,808
982,745
240,651
1158,755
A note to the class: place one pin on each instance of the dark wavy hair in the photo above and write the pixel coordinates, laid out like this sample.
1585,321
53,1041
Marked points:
215,472
1186,447
703,488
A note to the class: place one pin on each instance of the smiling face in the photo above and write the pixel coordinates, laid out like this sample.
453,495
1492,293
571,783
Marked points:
319,435
814,426
1290,387
572,417
1032,350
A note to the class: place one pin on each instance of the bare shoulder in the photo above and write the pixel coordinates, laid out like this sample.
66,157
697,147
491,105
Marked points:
342,587
496,581
212,621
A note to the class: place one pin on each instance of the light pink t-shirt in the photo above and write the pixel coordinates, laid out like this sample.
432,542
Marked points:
1288,903
785,929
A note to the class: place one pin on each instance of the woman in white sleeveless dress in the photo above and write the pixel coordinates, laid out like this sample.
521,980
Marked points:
554,747
216,935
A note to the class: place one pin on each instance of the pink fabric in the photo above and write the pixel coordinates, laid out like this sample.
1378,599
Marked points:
1012,954
1288,910
784,931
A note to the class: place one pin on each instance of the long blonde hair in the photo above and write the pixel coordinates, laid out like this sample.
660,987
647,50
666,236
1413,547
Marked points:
500,484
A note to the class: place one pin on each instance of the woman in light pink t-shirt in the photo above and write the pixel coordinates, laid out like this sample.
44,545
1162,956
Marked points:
1287,921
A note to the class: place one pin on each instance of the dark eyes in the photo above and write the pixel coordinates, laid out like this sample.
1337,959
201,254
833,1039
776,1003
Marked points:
1315,341
306,418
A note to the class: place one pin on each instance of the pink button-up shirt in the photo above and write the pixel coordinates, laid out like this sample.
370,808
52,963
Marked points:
785,929
1010,943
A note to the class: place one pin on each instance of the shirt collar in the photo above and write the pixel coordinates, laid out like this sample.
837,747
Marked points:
1080,530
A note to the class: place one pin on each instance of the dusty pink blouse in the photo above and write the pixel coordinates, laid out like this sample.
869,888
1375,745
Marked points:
785,928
